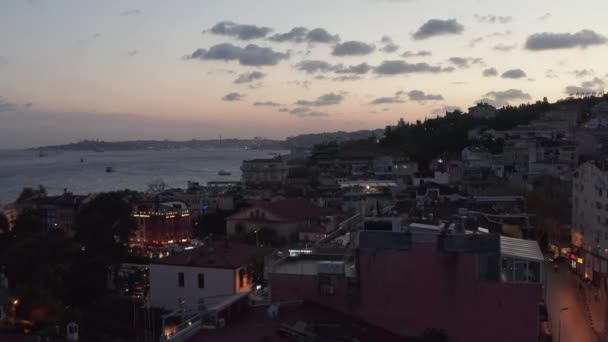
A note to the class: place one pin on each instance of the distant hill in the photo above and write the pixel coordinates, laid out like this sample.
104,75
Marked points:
309,140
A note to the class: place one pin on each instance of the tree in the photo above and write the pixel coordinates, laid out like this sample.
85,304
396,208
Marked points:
29,222
4,224
104,228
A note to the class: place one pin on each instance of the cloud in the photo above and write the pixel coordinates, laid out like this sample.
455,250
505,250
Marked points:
503,98
489,72
313,66
549,73
249,77
252,54
284,110
400,67
232,97
551,41
306,112
591,86
296,34
438,27
389,45
499,34
493,19
362,68
303,35
242,32
132,53
323,100
419,96
130,12
513,73
6,106
463,62
385,100
475,41
266,104
320,35
420,53
583,72
304,84
545,16
353,48
503,47
28,105
346,78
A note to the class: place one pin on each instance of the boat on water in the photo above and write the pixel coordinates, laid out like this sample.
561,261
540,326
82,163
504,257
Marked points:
223,172
109,169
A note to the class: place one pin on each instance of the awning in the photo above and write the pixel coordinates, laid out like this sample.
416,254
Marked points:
520,249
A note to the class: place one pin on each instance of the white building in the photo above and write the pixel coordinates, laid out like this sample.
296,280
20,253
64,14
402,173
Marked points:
590,214
201,275
264,171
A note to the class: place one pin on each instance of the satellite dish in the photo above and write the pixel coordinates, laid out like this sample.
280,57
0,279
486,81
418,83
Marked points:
273,311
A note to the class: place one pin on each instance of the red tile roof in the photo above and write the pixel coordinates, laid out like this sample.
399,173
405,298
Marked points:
289,210
218,254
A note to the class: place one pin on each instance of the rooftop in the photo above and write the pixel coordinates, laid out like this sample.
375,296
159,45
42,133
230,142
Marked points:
322,323
296,209
217,254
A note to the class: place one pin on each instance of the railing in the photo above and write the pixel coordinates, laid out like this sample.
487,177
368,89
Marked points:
344,226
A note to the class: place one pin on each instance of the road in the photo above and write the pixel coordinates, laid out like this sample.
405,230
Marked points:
562,291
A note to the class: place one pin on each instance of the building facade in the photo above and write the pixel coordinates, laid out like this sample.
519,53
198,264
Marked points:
200,275
256,172
161,223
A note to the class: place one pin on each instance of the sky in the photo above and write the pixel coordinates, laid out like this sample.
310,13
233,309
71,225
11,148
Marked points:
184,69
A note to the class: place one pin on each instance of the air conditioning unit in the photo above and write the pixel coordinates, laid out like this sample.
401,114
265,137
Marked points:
221,323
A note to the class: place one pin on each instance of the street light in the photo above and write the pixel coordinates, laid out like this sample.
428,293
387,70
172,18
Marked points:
559,324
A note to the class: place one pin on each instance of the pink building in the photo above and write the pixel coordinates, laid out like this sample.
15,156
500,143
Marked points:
474,287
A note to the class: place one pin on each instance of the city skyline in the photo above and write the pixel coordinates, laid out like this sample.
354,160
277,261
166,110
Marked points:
189,69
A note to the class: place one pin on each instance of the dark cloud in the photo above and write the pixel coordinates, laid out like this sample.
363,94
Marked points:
130,12
323,100
252,54
493,19
232,97
503,47
513,73
303,35
6,106
592,86
313,66
419,96
249,77
583,72
320,35
577,89
284,110
503,98
389,45
464,62
266,104
362,68
297,35
306,112
401,67
243,32
420,53
595,82
346,78
132,53
385,100
489,72
438,27
551,41
353,48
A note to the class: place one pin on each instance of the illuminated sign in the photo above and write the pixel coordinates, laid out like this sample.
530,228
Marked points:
579,260
296,252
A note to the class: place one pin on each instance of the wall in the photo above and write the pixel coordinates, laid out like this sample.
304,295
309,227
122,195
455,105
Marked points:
408,292
165,292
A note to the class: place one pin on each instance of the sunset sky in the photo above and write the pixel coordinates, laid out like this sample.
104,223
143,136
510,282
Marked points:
123,70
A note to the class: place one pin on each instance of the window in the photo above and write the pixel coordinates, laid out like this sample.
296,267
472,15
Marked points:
201,281
181,282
